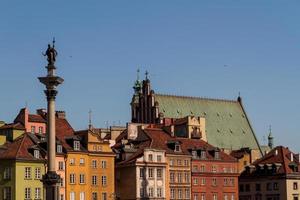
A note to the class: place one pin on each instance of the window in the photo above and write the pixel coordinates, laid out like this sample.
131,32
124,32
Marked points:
32,129
269,186
37,173
27,172
72,195
186,163
295,186
214,168
158,158
195,168
179,193
72,161
104,196
36,154
76,145
215,196
82,196
150,157
214,182
61,165
202,168
41,130
203,196
172,162
225,182
194,154
203,181
275,186
241,188
195,197
7,193
225,196
159,192
59,148
94,196
38,193
72,178
203,154
142,192
179,177
7,173
104,180
232,196
195,181
172,193
217,155
27,193
94,163
150,173
81,178
142,173
94,180
150,192
179,162
159,173
177,148
103,164
81,161
172,177
186,177
247,188
187,193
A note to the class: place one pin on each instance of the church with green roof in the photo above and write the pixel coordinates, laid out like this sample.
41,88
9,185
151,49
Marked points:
226,123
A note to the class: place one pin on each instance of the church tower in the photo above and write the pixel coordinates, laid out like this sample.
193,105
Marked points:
270,139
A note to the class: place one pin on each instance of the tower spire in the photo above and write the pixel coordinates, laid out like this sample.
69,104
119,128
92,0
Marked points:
270,138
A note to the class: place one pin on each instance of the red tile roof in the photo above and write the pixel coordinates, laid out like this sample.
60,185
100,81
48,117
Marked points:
280,155
17,126
159,139
19,149
36,118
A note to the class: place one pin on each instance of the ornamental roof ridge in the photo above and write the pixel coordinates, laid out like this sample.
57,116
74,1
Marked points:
197,98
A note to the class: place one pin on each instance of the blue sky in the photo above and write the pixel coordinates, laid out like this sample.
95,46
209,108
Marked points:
197,48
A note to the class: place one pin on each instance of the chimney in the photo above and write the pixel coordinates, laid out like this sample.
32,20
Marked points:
61,114
276,152
172,128
292,157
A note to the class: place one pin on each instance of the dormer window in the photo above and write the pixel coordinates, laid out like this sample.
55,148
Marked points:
32,129
177,148
203,155
150,157
217,155
194,154
76,145
40,130
36,153
59,148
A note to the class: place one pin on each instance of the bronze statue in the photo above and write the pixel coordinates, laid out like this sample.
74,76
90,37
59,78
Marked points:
51,53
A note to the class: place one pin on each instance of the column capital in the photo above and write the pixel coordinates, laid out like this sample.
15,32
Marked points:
50,94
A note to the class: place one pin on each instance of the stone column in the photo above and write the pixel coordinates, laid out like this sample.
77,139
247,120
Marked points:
51,179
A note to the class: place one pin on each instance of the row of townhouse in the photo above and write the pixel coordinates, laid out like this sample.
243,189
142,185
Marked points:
84,160
158,165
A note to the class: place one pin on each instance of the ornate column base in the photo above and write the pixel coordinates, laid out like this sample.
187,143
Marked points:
51,182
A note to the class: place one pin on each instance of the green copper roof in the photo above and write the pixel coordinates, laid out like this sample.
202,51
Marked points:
227,125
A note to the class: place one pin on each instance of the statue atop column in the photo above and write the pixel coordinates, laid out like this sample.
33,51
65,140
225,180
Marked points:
51,53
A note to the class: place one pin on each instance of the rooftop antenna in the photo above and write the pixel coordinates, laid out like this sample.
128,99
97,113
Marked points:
90,119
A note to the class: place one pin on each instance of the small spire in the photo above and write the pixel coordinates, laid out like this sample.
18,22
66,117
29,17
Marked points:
270,138
138,74
90,119
146,73
239,97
